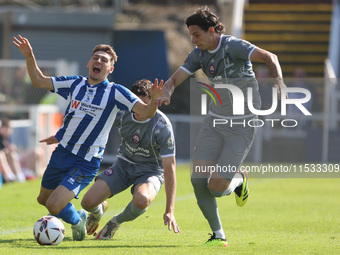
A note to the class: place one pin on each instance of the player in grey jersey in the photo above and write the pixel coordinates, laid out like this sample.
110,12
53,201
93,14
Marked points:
225,60
146,158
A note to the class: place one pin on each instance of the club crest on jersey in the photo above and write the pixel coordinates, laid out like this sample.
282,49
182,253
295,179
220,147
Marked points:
246,44
91,91
108,172
136,138
170,142
212,69
89,95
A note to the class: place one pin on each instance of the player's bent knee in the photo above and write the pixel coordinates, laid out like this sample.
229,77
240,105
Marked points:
85,204
41,201
215,193
218,184
141,201
88,204
53,209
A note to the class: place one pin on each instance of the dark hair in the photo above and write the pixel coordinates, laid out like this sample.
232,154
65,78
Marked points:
108,49
5,122
141,88
205,19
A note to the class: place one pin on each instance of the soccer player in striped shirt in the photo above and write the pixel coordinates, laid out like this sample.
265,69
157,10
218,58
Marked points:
93,105
224,59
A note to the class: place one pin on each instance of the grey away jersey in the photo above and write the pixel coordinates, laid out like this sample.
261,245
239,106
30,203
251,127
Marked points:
229,63
145,142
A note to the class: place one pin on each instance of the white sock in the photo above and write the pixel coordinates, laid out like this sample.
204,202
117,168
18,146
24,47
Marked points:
97,211
219,234
236,181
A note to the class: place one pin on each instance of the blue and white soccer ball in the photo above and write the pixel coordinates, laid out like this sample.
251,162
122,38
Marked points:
49,230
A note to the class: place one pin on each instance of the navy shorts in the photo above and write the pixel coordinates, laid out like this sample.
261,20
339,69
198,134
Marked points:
69,170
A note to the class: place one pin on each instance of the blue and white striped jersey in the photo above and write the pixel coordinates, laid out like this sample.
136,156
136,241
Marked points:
90,113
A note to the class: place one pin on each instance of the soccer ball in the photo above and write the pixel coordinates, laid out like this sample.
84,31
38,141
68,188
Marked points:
49,230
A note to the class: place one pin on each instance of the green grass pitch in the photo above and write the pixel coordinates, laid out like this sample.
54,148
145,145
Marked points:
282,216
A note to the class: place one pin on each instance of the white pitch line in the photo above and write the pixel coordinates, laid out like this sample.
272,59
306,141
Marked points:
13,231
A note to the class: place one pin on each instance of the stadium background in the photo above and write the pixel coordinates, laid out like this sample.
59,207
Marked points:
151,41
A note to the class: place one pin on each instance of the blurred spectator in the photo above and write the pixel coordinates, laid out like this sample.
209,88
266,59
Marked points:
32,94
2,88
12,166
9,159
19,85
16,87
29,160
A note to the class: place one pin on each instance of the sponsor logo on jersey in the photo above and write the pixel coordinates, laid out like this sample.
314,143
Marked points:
136,138
108,172
85,106
212,69
75,104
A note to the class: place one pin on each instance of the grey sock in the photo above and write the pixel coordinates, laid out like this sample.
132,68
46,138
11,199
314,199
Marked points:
206,202
131,212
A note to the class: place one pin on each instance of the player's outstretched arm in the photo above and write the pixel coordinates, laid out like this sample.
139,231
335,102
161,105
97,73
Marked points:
149,110
169,164
273,65
49,140
39,80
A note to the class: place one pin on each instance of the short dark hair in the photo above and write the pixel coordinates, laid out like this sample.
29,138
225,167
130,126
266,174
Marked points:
108,49
141,88
204,18
5,122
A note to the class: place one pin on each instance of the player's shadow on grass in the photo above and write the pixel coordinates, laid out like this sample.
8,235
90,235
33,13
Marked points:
30,243
106,244
18,241
21,243
110,244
